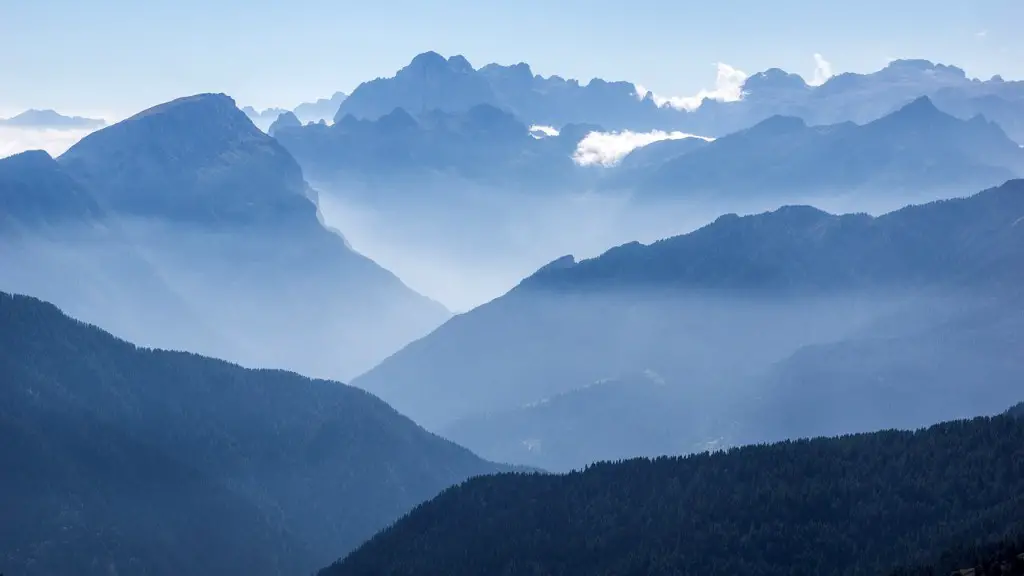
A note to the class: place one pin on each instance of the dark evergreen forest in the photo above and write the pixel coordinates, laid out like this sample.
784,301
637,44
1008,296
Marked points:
848,506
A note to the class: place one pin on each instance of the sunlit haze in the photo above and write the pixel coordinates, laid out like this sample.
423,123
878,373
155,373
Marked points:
528,288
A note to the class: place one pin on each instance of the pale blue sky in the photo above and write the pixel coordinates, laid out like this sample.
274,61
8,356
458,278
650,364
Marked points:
119,56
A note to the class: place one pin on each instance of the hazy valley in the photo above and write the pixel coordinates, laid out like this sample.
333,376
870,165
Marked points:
474,319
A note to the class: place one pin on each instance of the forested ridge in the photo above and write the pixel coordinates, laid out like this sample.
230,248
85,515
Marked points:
853,505
118,459
1002,558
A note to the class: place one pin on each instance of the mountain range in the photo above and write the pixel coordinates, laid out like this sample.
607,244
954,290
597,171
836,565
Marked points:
51,120
196,231
767,283
482,144
322,110
743,319
431,81
127,460
917,153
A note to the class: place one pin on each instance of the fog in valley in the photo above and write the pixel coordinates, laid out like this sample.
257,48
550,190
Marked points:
464,244
468,315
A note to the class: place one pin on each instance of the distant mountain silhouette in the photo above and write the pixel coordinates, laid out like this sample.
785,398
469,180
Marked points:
963,359
482,143
285,120
322,109
658,153
917,151
219,214
1004,107
608,420
49,119
859,504
263,118
918,154
851,97
318,111
712,311
121,459
431,82
847,97
781,143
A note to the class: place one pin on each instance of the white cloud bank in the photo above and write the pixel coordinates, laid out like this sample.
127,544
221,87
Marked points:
728,88
538,131
608,148
822,71
55,142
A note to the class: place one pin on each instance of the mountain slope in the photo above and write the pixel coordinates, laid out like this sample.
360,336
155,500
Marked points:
608,420
712,311
908,376
222,215
132,460
56,242
849,505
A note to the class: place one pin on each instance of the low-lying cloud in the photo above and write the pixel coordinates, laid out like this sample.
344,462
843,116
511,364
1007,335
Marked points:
822,70
538,131
608,148
728,88
55,142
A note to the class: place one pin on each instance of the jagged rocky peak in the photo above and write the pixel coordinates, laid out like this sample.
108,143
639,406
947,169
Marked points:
520,71
773,80
561,263
921,66
284,120
460,64
433,62
426,61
